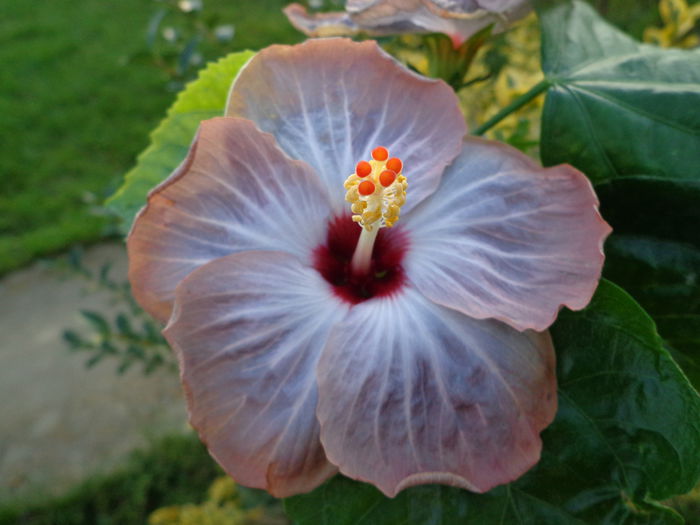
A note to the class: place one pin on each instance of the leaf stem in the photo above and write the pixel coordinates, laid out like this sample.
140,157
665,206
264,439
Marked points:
514,106
474,81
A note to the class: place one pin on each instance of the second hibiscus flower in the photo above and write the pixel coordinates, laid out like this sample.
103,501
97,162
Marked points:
457,18
416,355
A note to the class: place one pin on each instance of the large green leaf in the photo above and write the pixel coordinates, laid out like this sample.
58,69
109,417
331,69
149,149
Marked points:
627,434
627,115
201,99
616,107
655,255
345,502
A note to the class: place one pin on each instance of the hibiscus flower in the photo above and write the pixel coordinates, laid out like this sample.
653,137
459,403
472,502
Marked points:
457,18
398,338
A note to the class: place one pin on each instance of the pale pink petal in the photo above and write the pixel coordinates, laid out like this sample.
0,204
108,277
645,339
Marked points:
460,19
329,102
374,17
235,191
504,238
465,8
248,329
337,23
356,6
411,392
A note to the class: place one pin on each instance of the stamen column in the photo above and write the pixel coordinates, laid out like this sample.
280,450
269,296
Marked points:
377,190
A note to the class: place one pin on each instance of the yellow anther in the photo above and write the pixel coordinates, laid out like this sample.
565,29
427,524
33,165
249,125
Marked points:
378,202
358,207
370,217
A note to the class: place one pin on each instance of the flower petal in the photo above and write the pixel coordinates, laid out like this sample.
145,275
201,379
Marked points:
411,392
248,329
460,8
506,239
337,23
460,19
235,191
373,17
330,102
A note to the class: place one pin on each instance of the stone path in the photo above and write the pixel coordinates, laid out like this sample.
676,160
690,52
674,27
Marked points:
59,421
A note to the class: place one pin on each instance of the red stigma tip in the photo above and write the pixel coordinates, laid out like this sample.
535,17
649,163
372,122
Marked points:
366,187
394,165
380,153
387,178
363,168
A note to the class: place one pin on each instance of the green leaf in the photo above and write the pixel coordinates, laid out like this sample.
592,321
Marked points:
136,352
655,256
94,360
201,99
98,322
342,501
616,107
73,339
124,367
664,276
625,114
124,325
627,433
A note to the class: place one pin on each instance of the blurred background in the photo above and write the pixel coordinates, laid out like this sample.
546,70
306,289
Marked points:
92,423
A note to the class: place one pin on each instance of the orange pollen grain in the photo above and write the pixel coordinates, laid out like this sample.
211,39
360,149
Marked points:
394,165
366,187
380,153
387,178
363,168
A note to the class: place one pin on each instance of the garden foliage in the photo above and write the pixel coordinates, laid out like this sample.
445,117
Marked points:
627,432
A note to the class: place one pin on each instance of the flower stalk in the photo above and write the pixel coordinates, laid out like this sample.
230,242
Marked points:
514,106
451,62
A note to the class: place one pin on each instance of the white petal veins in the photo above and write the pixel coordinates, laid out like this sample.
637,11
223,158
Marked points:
459,19
411,392
329,102
504,238
235,191
248,330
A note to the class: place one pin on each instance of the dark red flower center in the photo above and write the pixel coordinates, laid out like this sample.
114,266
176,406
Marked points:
385,276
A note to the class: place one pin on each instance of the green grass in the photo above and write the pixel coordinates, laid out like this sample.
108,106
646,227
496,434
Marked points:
77,106
175,470
76,109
